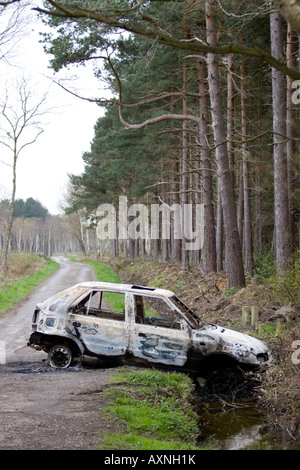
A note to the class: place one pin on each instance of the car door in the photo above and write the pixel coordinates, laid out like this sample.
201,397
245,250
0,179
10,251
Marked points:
156,334
100,327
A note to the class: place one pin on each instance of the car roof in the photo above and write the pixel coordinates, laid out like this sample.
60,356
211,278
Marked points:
118,287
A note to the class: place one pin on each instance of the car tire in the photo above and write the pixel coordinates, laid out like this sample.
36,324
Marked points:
60,356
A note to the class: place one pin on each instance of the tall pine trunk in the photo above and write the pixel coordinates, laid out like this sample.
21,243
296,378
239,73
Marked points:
209,245
230,115
281,207
291,49
234,262
184,177
248,250
258,180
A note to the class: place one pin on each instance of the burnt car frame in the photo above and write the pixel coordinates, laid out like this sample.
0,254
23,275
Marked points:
80,321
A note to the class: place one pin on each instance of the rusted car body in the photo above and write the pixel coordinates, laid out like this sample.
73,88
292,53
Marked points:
126,324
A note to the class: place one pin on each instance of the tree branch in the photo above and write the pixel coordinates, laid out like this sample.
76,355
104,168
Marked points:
155,32
148,122
91,100
30,142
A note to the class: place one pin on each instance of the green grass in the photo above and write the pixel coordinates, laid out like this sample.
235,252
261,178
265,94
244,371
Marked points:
130,441
154,411
14,292
103,272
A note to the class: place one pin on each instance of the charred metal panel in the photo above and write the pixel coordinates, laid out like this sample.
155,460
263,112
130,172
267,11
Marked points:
99,336
212,339
160,345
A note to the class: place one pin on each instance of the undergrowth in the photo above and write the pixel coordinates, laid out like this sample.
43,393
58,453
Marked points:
285,287
103,272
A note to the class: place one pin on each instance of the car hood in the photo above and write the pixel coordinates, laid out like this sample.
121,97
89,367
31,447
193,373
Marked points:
236,336
244,348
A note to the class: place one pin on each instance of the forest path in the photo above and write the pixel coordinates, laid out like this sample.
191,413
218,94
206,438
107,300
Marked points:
42,408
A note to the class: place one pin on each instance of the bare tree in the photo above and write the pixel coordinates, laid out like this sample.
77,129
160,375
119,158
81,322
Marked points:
12,21
19,127
248,248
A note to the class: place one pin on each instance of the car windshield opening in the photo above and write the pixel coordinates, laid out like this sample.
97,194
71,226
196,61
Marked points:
193,319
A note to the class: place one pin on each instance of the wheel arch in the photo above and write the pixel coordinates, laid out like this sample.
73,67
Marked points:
217,361
47,341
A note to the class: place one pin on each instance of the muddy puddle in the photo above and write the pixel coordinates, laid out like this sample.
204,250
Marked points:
240,425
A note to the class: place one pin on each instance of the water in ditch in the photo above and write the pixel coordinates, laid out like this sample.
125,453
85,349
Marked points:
240,425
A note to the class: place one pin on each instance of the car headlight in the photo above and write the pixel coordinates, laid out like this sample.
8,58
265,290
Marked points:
50,321
262,357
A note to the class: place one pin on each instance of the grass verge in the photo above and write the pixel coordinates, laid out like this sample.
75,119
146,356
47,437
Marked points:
153,409
103,272
16,290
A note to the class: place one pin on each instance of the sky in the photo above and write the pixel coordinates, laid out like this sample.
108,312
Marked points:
43,167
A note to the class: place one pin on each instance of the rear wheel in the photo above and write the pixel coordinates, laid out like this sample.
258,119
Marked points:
60,356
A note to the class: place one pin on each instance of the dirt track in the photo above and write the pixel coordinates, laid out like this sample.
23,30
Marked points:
42,408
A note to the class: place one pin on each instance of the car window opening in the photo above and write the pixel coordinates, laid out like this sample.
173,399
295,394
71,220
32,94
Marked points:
155,311
101,304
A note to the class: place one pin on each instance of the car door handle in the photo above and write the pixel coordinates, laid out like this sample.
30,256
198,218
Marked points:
76,323
143,335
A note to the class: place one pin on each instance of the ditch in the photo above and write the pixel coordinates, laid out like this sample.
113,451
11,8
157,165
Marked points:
227,423
239,423
240,426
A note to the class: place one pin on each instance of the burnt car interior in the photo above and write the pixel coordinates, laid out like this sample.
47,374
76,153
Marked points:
148,310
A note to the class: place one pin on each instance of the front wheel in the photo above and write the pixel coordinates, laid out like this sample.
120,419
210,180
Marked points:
60,356
224,382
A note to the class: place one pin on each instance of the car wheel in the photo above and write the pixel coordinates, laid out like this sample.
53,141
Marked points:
223,382
60,356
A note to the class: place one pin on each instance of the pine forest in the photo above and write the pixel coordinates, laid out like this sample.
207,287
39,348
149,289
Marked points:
202,106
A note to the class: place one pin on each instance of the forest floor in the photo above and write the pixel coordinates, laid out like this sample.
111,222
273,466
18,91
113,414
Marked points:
210,297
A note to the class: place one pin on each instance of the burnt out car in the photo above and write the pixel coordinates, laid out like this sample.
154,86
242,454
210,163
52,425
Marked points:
127,324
